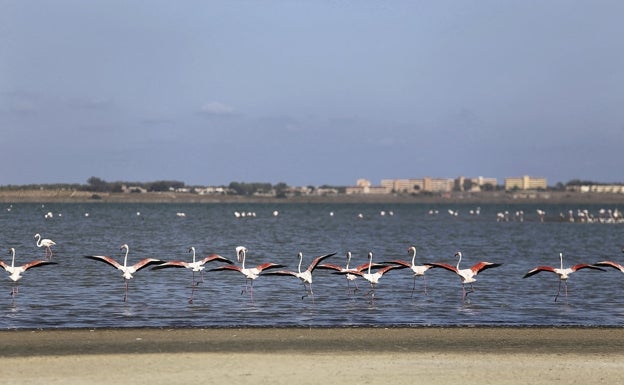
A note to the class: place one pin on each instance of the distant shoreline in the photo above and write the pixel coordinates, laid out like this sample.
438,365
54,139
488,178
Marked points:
497,197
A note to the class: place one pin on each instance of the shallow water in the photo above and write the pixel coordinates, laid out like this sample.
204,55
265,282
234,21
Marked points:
79,292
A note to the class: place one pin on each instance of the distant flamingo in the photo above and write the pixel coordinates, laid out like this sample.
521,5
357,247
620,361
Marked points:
126,270
16,271
250,273
350,273
306,275
418,270
466,275
563,274
195,265
47,243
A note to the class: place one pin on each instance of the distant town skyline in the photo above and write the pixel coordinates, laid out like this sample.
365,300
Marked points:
310,92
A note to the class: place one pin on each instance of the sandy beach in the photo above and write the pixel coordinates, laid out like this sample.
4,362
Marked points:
463,355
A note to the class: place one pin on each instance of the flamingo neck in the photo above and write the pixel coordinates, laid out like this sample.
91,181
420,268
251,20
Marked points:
370,262
561,260
300,260
193,251
126,257
38,240
413,256
243,259
348,260
13,257
459,260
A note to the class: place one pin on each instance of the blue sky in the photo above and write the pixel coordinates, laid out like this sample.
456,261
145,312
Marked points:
310,92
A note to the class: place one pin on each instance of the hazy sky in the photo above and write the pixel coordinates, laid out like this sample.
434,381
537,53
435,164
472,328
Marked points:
310,92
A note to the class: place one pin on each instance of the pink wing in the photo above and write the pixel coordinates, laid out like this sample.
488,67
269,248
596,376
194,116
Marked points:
4,265
227,267
612,264
319,259
145,262
36,263
171,264
538,269
102,258
585,266
330,266
216,257
268,265
480,266
442,265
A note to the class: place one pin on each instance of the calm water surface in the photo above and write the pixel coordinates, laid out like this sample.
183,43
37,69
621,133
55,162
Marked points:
78,292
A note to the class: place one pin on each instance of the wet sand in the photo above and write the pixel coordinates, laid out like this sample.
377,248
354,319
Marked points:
313,356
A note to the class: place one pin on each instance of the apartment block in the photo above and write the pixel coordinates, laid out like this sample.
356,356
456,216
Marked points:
525,183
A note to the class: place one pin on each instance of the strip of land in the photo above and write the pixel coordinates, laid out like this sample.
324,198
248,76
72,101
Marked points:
464,355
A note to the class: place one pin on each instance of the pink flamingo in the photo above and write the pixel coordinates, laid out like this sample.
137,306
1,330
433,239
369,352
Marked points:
195,266
563,273
126,270
373,278
250,273
418,270
47,243
466,275
306,275
15,272
350,273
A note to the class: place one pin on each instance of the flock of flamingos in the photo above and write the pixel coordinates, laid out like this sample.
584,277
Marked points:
371,272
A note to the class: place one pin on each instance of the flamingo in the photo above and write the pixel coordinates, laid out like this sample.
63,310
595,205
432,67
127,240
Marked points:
418,270
372,277
194,266
306,275
563,274
47,243
350,273
466,275
250,273
15,272
126,270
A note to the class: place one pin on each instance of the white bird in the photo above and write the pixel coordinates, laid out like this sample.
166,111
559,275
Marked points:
126,270
195,266
350,273
250,273
47,243
372,277
418,270
466,275
306,275
15,272
563,273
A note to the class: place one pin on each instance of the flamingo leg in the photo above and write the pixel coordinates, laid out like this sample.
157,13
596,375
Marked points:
558,291
192,294
126,292
425,284
414,287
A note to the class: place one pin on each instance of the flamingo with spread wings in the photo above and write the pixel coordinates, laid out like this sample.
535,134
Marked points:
563,273
15,272
306,275
466,275
252,273
126,270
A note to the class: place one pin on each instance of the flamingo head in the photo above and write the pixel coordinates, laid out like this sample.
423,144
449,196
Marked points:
37,235
191,249
411,249
124,246
458,254
240,253
11,250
